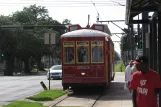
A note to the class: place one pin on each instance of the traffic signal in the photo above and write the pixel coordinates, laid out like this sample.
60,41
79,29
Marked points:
136,40
137,44
140,45
56,26
2,54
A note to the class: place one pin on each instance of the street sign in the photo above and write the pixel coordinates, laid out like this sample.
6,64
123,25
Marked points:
140,52
52,38
49,38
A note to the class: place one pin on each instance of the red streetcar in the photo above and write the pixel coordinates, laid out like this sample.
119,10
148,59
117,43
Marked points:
87,57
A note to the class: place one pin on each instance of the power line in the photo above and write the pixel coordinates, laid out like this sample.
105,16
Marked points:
97,11
62,3
95,4
65,5
119,3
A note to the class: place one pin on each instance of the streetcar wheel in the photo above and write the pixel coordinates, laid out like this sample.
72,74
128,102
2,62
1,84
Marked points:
65,87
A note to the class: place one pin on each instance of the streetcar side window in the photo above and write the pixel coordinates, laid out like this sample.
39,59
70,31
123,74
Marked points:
68,52
82,52
97,52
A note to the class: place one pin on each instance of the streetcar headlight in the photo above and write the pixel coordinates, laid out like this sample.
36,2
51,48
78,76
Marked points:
83,73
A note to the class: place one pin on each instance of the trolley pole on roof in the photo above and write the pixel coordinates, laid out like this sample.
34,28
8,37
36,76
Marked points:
88,21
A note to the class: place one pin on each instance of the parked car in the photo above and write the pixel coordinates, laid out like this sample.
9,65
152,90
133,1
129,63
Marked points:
55,72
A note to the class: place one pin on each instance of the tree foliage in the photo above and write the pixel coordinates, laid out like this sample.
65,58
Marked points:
117,57
27,43
126,44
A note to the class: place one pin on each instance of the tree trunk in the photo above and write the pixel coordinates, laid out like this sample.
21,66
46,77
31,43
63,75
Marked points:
39,64
9,66
27,66
52,58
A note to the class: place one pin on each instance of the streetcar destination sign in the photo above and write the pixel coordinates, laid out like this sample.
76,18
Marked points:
83,67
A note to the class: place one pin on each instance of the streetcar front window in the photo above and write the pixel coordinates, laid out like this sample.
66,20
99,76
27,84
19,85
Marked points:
69,52
97,52
82,52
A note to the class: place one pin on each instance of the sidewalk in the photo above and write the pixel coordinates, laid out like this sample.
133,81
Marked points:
115,96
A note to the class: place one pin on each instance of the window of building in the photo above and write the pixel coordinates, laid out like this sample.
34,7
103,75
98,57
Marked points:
82,52
69,52
97,52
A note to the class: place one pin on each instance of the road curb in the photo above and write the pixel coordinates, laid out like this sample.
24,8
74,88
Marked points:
55,101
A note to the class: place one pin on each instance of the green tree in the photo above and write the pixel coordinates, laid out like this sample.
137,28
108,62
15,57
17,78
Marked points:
7,44
25,44
30,41
116,56
66,21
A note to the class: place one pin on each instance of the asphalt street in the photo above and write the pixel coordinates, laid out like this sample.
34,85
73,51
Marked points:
18,87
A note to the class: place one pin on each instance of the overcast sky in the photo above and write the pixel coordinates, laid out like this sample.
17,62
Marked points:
76,10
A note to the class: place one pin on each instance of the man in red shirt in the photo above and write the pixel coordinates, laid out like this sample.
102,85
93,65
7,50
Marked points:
145,81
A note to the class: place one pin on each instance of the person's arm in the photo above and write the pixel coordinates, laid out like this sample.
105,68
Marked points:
126,73
134,98
133,82
133,86
157,84
133,69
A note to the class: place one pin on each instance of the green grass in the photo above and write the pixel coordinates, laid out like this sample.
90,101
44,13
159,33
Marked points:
35,70
119,67
24,104
29,104
47,95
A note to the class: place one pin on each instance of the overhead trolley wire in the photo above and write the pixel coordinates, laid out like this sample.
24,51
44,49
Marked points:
96,11
61,3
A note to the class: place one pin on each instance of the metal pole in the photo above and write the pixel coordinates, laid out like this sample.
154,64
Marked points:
144,31
129,43
49,58
112,21
159,49
88,21
118,27
138,36
132,41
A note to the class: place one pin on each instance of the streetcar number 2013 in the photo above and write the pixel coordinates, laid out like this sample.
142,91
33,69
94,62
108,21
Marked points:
83,67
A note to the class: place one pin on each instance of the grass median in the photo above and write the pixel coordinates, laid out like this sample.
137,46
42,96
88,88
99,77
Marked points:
119,67
29,104
24,104
47,95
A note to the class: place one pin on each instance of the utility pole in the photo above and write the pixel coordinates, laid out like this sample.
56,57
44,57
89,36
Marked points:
49,57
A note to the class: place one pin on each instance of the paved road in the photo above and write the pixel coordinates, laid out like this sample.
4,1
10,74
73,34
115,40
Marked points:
17,87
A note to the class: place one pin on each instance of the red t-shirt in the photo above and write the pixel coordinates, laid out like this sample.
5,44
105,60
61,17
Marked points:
145,85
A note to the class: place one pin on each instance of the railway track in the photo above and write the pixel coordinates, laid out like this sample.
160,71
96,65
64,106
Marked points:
101,94
87,97
60,100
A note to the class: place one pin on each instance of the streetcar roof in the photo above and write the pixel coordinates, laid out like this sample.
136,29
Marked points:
85,33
